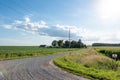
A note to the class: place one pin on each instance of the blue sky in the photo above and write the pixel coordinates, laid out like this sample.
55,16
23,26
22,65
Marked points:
35,22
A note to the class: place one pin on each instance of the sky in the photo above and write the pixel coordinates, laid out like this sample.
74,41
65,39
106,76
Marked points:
36,22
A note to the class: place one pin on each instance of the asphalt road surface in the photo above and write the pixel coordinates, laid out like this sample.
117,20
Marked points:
36,68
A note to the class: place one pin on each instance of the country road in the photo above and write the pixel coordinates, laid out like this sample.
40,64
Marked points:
36,68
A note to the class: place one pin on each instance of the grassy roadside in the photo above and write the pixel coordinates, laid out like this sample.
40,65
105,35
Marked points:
91,65
15,52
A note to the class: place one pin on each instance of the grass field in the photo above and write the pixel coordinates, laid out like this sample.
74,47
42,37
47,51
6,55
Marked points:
92,65
12,52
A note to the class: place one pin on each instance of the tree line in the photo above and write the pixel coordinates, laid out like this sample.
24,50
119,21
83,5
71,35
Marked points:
104,44
68,44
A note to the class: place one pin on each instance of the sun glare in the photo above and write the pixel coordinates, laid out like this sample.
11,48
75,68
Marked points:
108,9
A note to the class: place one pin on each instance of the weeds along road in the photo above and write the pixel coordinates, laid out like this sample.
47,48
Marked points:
36,68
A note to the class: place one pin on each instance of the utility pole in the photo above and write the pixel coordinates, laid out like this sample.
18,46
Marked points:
69,38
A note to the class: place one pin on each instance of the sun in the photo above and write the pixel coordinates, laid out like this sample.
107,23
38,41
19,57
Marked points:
108,9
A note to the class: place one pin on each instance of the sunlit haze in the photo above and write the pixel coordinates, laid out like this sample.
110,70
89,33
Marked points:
108,10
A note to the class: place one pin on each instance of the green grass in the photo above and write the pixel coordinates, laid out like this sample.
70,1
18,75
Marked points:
91,65
13,52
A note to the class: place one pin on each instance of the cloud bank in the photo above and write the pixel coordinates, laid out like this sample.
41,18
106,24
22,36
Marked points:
62,31
42,28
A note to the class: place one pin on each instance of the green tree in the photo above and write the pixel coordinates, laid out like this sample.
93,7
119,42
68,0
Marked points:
55,43
60,43
73,44
80,44
66,44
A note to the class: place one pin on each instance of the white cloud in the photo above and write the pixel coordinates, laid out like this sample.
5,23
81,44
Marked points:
17,22
41,24
58,30
43,29
62,31
7,26
27,19
28,25
111,37
63,27
76,31
33,25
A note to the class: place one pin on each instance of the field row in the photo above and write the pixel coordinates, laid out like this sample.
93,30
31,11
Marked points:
11,52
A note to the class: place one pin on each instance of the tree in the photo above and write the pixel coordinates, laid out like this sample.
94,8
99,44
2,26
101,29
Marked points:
66,44
55,43
80,44
73,44
60,43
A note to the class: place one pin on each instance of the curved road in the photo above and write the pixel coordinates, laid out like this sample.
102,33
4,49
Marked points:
36,68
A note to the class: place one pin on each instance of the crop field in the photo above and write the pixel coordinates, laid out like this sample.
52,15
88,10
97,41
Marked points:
93,64
12,52
109,51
